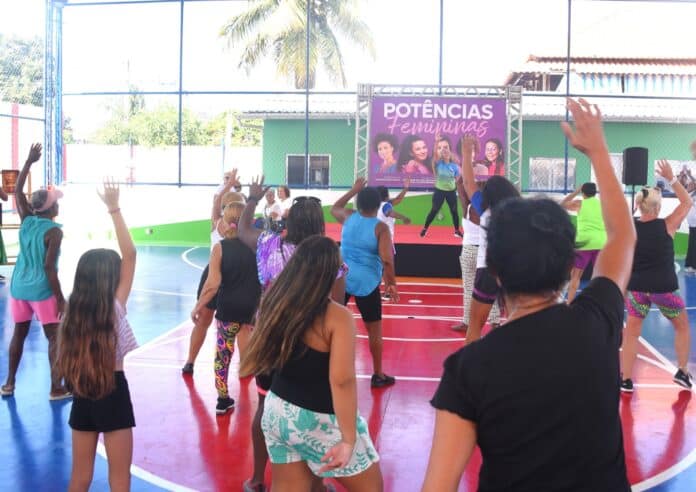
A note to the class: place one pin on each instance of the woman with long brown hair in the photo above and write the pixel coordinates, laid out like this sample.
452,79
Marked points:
93,340
273,251
308,342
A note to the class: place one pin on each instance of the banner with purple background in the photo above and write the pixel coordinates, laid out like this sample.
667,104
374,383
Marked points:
403,130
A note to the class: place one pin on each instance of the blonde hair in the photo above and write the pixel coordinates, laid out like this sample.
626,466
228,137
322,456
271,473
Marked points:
232,206
649,201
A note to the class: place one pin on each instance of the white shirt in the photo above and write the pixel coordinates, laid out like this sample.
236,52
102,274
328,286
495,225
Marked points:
285,206
691,216
483,242
274,208
472,233
390,221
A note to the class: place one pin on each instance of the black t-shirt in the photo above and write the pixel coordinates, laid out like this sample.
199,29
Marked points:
543,391
239,292
653,259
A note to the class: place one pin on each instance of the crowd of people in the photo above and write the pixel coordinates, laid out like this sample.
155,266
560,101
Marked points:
539,394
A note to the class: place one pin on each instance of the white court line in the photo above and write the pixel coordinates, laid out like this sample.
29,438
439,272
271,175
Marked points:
654,363
393,339
154,341
163,292
184,258
433,306
667,474
147,476
665,361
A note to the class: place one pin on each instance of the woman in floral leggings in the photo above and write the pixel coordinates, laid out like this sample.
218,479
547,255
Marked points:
234,279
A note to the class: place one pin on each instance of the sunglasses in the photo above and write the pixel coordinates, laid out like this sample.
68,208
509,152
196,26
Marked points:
302,199
646,190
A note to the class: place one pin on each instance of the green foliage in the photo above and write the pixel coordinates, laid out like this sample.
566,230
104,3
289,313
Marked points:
280,26
160,127
21,70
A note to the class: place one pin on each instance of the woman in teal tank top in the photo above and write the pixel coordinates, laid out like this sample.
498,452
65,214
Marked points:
366,247
590,233
34,288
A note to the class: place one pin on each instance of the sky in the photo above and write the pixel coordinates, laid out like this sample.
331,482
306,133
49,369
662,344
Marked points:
108,48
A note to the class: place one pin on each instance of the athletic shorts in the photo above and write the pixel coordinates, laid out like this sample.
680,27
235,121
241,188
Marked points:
296,434
370,306
46,311
585,257
638,304
113,412
486,287
212,304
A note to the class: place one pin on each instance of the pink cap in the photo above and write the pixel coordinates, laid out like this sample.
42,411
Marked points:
52,196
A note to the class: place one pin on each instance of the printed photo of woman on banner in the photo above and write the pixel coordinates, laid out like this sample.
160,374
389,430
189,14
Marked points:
405,133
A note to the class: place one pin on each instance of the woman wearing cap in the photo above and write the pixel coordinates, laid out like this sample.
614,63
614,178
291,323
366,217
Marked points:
35,289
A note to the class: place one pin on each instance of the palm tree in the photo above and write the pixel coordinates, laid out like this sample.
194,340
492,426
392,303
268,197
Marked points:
280,26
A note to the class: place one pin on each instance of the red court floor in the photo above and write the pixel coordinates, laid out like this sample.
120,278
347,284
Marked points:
181,443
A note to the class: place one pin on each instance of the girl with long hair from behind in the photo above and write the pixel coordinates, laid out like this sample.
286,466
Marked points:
93,340
308,342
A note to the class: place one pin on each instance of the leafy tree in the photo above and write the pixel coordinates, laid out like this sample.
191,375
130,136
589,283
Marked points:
21,70
280,26
159,127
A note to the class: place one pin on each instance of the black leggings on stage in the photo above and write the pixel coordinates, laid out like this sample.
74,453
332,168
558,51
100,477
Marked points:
439,196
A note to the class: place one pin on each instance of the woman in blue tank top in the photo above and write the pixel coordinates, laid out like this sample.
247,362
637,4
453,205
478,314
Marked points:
366,246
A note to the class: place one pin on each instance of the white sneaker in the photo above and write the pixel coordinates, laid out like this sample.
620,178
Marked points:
689,270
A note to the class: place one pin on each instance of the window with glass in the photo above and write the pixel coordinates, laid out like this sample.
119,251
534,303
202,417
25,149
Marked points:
548,173
316,175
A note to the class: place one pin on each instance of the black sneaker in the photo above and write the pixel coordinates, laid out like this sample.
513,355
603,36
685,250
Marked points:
223,405
458,233
627,386
423,232
187,369
682,379
382,381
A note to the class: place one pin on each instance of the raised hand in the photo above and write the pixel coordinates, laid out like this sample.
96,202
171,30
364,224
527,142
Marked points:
359,184
34,153
588,135
468,144
337,457
110,194
664,169
407,182
256,189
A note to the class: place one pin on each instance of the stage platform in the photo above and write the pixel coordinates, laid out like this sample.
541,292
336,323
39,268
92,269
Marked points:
435,255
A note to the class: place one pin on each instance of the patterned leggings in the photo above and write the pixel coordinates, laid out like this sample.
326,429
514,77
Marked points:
224,349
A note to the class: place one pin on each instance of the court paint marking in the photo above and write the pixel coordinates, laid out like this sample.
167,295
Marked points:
147,476
184,258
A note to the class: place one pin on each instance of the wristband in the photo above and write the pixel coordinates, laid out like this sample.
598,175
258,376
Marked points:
674,180
114,210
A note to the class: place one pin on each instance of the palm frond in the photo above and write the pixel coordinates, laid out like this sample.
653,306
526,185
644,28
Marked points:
331,55
240,26
253,51
344,17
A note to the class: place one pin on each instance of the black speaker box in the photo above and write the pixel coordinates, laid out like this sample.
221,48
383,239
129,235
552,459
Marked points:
635,166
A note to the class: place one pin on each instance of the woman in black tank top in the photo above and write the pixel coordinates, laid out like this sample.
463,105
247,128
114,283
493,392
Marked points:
233,282
653,278
307,341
